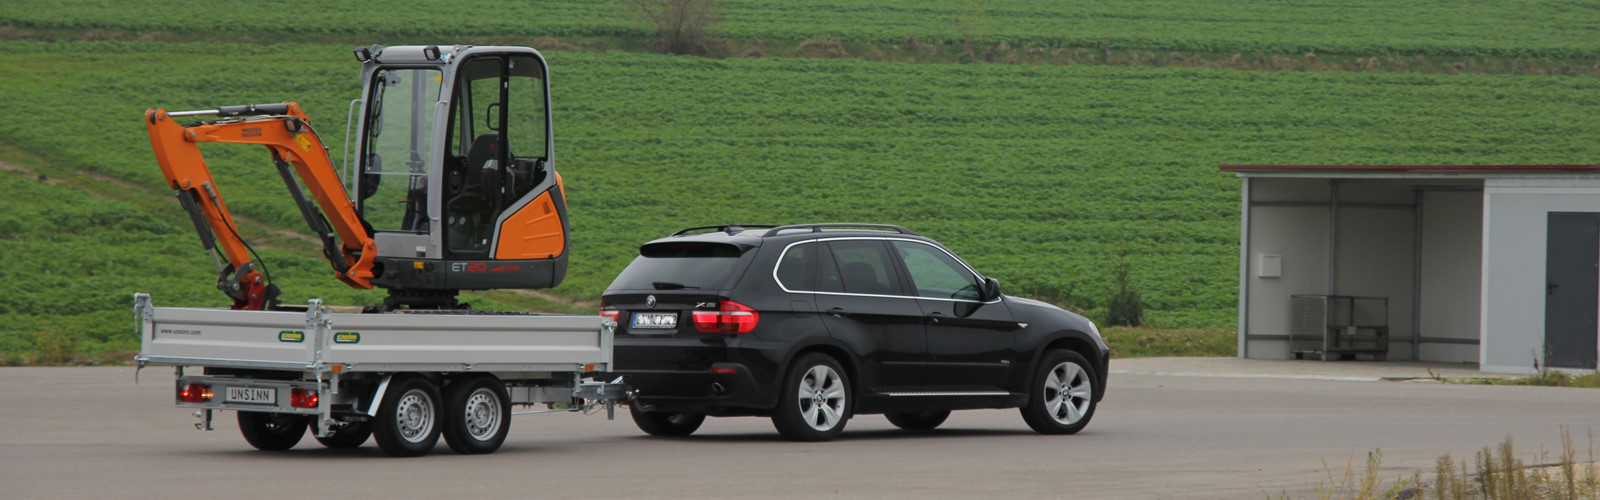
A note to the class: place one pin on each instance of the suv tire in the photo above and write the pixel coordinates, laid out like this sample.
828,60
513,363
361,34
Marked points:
271,431
666,424
1061,400
814,400
917,420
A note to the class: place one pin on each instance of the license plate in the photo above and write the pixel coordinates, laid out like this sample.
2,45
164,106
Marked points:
252,395
655,320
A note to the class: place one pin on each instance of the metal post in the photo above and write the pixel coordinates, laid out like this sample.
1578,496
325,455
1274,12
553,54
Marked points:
1416,275
1244,269
1333,237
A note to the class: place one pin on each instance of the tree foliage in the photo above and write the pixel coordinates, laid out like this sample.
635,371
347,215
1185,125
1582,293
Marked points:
681,26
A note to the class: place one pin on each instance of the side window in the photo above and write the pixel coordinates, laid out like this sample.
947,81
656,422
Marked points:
525,116
794,270
394,173
827,271
935,273
864,267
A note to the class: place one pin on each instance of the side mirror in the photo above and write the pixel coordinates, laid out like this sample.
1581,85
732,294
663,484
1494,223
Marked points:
991,289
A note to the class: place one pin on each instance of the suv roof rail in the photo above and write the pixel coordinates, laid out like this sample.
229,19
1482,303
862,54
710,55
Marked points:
817,228
727,228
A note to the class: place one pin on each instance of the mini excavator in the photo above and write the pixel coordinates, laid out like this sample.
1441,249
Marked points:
454,186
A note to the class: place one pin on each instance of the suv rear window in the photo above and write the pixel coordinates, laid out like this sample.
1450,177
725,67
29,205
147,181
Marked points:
670,266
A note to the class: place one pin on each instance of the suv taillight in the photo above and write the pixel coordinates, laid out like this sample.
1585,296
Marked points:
730,317
613,314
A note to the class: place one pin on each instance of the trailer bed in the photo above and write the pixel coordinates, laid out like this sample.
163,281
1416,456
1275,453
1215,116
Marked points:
319,340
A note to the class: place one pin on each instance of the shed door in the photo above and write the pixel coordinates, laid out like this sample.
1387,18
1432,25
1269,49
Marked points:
1572,283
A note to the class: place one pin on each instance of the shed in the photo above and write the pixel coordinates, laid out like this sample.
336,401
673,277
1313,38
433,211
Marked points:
1493,264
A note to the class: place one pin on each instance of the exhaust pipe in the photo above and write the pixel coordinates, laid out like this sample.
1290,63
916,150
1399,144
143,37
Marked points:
717,388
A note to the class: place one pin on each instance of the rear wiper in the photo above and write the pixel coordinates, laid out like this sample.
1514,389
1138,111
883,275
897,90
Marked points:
666,285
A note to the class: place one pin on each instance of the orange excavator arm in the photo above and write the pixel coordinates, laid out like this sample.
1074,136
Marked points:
297,151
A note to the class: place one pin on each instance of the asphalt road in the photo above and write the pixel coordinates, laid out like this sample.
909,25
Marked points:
93,433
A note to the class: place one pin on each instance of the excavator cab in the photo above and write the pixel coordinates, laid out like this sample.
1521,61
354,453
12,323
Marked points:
454,153
452,185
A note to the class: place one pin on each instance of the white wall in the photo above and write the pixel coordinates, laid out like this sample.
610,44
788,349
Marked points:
1515,218
1376,258
1452,273
1300,235
1375,254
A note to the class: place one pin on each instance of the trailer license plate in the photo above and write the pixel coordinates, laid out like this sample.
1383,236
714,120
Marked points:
252,395
655,320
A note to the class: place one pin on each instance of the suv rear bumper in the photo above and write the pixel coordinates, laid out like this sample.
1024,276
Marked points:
725,389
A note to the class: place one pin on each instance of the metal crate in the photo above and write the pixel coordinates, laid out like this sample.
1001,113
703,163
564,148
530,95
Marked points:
1338,326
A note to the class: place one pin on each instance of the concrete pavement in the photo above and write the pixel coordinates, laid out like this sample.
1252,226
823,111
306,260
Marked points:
1298,369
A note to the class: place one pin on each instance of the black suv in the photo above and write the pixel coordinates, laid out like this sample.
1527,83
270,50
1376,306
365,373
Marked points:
811,324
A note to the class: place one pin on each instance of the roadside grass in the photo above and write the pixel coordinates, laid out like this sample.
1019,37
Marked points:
1545,378
1497,474
1147,342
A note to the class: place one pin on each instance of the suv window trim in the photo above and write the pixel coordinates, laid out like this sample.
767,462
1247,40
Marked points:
894,256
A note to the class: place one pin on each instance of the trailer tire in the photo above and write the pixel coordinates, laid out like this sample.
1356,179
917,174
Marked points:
477,415
407,424
271,431
351,436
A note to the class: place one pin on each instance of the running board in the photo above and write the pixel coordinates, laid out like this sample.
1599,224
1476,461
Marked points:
946,394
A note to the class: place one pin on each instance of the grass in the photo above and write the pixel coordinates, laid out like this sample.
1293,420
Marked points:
1147,342
1357,28
1100,125
1546,377
1498,473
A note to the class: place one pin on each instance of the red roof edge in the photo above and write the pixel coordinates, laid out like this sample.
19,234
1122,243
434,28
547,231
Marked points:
1411,168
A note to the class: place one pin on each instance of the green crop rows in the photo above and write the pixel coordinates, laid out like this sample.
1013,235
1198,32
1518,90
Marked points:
1037,175
1507,29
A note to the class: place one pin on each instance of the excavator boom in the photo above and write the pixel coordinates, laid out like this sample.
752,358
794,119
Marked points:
297,151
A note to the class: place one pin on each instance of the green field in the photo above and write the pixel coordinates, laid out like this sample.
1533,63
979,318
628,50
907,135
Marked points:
1038,175
1564,29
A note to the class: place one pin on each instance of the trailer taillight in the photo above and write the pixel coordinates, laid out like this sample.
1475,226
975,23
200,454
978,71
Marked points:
302,398
194,393
730,317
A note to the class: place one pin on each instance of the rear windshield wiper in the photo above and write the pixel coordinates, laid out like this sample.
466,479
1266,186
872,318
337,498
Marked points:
666,285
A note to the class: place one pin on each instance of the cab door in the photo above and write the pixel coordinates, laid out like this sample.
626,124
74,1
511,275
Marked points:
971,343
499,151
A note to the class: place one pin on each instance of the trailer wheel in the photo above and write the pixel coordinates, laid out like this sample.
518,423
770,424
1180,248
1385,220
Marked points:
477,415
271,431
407,424
351,436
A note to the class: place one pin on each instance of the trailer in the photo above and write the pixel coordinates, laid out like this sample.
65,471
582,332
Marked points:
402,377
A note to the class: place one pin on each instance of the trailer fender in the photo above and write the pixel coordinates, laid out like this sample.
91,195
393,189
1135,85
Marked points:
377,396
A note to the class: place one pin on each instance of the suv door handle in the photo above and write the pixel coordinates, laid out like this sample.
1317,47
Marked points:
836,311
936,317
